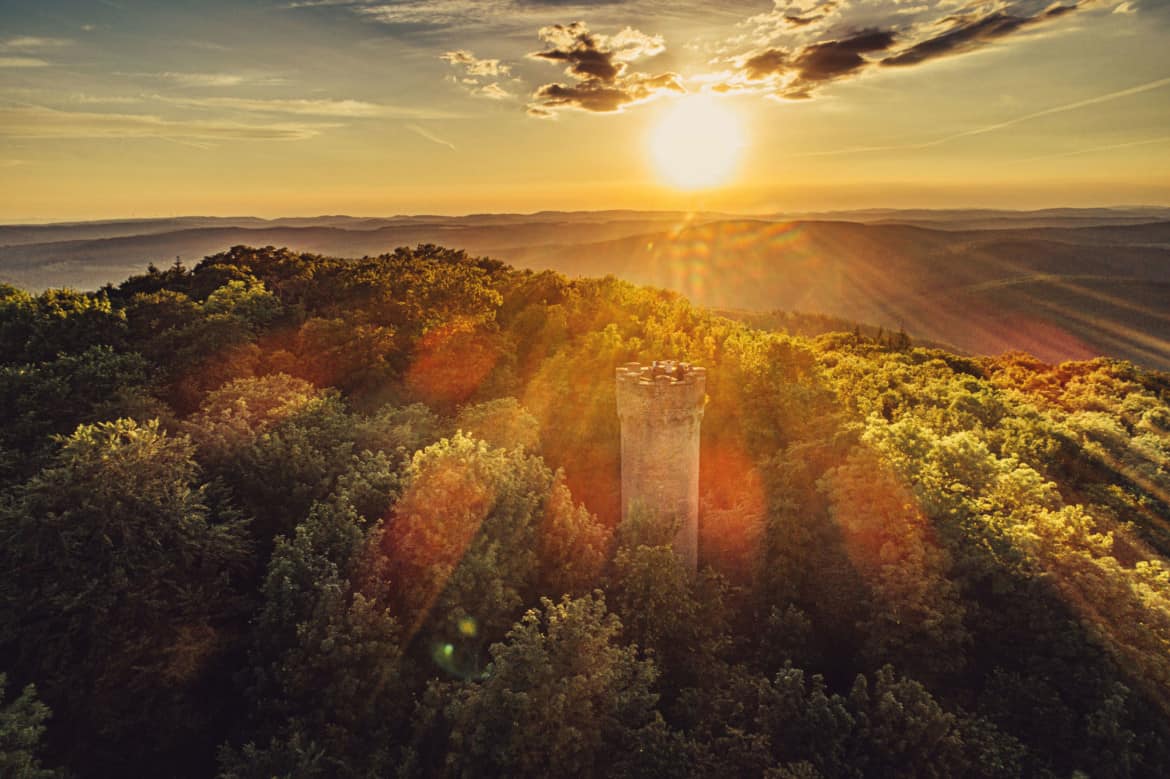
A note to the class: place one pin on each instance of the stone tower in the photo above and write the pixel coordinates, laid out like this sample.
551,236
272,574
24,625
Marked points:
661,407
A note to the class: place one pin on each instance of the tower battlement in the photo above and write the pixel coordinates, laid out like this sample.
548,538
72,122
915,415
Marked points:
662,388
660,406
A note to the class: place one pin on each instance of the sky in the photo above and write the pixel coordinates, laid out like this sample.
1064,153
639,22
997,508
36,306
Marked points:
117,108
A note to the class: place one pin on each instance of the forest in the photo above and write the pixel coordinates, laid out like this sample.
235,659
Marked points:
287,515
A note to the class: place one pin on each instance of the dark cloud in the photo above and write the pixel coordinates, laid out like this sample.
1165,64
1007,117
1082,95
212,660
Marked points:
594,95
765,64
600,66
927,33
815,64
575,46
801,21
969,34
833,59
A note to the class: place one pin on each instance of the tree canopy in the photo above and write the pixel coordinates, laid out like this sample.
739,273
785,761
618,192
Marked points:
289,515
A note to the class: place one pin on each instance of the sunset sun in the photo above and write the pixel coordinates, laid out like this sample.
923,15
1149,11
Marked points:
696,144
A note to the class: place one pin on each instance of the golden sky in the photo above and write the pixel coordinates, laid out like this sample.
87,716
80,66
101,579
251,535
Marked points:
115,109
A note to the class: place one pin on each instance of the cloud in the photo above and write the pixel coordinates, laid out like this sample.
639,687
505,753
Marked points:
1003,124
322,3
430,136
33,43
199,79
434,13
465,14
22,62
591,56
21,46
805,44
341,109
831,60
40,122
593,95
969,34
796,75
473,65
771,61
207,80
493,91
600,66
475,69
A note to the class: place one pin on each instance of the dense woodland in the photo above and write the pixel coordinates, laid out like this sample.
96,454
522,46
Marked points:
296,516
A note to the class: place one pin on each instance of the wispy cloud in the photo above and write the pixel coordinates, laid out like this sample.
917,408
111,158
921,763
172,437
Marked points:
1097,149
995,126
41,122
473,65
340,109
87,99
430,136
493,91
434,12
17,51
476,74
22,62
1060,109
208,80
323,3
33,43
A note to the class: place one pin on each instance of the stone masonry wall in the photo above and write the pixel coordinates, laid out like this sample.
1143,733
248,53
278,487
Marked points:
661,407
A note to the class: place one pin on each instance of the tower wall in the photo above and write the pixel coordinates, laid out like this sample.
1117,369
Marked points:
661,407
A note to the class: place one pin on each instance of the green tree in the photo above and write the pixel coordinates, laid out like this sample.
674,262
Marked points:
462,541
115,585
561,697
328,688
278,443
502,422
22,725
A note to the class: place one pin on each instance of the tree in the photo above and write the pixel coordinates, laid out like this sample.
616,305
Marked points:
561,697
94,385
115,585
462,541
246,300
502,422
328,689
914,614
278,443
22,724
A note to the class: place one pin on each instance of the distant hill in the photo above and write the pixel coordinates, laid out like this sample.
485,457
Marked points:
1060,283
87,255
1057,293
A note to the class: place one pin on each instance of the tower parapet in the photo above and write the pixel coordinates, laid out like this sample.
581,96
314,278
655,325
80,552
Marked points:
660,406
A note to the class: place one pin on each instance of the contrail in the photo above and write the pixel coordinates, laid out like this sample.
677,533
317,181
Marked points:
1109,147
430,136
1000,125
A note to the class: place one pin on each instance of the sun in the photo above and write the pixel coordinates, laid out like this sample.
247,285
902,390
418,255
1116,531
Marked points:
697,144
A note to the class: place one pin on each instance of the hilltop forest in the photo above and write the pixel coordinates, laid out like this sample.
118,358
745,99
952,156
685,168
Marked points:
286,515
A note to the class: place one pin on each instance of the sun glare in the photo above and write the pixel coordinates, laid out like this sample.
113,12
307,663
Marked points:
697,143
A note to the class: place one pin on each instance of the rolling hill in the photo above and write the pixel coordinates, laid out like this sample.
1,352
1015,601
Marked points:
1061,284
